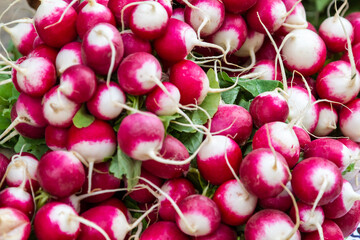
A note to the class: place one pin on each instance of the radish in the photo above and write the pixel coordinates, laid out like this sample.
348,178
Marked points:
236,205
14,224
60,173
18,198
50,24
349,119
267,50
84,3
310,219
316,181
202,214
23,36
280,202
271,170
45,52
269,107
328,119
38,41
92,144
356,55
303,137
297,80
179,14
119,205
163,230
354,19
120,11
133,43
266,70
350,221
177,189
205,16
304,51
235,6
354,149
271,224
331,231
56,138
78,83
171,149
69,55
296,19
97,43
338,81
58,110
331,150
223,232
4,162
90,15
107,101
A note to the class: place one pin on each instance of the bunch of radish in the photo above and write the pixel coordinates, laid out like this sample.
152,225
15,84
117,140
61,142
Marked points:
145,136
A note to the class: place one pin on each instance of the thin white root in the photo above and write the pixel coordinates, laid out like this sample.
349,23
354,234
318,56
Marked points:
91,167
139,220
297,215
320,230
8,137
320,194
90,224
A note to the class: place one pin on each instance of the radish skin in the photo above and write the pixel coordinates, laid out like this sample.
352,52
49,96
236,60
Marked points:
14,224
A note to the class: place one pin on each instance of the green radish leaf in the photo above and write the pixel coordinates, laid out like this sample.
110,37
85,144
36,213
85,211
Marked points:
191,141
350,168
167,119
4,123
34,146
123,166
82,118
322,4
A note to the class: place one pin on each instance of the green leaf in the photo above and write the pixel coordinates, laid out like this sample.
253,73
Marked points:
4,123
191,141
321,4
35,146
123,166
166,119
349,168
82,118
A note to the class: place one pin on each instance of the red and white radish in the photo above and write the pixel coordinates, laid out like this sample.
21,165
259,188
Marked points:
331,231
236,6
328,119
354,19
266,70
133,43
14,224
303,137
44,51
350,221
4,162
163,230
56,138
349,120
23,36
18,198
310,219
69,55
223,232
296,19
282,201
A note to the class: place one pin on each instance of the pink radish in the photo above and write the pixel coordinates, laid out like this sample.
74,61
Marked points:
304,51
177,189
92,14
331,150
311,219
92,143
69,55
63,180
45,52
37,42
354,149
163,230
296,19
58,110
350,221
18,198
120,11
236,205
78,83
286,143
4,162
266,70
14,224
56,138
271,170
23,36
356,55
97,45
271,224
354,19
303,137
179,14
119,205
223,232
50,24
235,6
133,43
297,80
232,121
202,214
328,119
269,107
139,73
84,3
171,149
280,202
267,50
331,231
349,119
107,101
316,181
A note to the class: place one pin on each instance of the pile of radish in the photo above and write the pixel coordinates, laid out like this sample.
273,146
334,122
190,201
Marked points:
192,119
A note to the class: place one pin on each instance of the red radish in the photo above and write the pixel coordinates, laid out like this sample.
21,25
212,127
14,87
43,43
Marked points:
266,70
45,52
23,36
310,220
223,232
17,197
92,14
271,170
139,73
338,82
332,32
296,19
121,10
177,189
171,149
302,109
56,138
349,119
85,2
236,6
356,53
69,55
101,180
50,26
106,103
119,205
163,230
283,140
267,50
218,158
4,162
236,205
280,202
78,83
331,150
179,14
328,119
93,143
58,110
354,19
133,43
316,181
297,80
350,221
304,51
331,231
271,224
205,16
97,45
354,149
38,42
232,121
202,214
148,20
14,224
269,107
303,137
144,195
272,14
167,4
